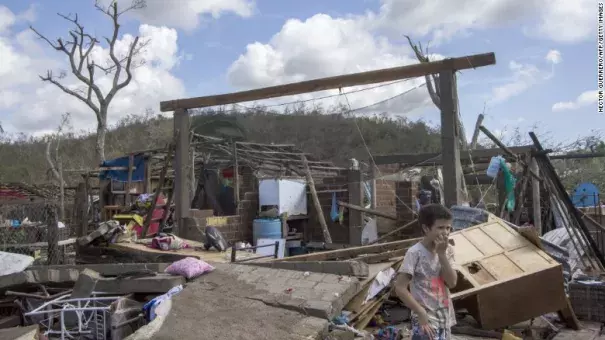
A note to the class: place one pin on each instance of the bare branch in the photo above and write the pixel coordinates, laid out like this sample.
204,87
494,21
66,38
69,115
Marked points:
78,50
432,81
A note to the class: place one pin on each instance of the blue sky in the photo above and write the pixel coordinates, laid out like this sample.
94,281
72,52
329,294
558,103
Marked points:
194,53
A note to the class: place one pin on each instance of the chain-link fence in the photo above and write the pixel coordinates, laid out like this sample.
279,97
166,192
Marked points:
34,229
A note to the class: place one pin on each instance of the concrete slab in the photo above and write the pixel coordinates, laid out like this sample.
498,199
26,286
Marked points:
315,294
69,273
152,284
348,268
218,304
109,269
85,285
13,263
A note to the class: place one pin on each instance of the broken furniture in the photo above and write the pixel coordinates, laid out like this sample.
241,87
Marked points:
504,279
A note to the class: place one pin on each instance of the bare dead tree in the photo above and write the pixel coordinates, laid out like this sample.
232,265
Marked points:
432,85
56,164
78,49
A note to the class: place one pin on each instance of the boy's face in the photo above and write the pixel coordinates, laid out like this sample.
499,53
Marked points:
440,228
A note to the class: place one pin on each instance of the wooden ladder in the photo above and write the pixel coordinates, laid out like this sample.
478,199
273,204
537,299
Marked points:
154,204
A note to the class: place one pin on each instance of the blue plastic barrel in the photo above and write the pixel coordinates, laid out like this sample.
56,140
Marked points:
266,228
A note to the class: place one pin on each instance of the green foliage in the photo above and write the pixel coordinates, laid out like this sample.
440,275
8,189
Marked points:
327,136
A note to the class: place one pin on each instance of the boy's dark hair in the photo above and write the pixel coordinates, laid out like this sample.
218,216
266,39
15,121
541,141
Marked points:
430,213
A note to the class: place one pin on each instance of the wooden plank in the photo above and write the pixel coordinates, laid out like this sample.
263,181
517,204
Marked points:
464,250
127,197
501,267
352,252
394,231
482,242
355,79
320,214
529,259
367,211
504,237
235,176
435,158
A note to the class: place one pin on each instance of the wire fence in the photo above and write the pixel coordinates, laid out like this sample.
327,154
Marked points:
35,229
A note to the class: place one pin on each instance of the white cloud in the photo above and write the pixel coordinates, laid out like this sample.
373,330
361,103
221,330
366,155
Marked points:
323,46
553,56
558,20
568,21
187,14
524,77
584,99
29,105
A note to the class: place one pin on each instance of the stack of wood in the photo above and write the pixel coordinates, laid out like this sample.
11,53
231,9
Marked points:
363,311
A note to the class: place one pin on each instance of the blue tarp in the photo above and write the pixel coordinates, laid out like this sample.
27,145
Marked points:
138,174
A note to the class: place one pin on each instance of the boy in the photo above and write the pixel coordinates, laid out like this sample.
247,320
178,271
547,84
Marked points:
427,270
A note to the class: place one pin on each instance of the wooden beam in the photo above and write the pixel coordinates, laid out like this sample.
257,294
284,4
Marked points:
373,198
181,130
478,179
476,131
367,211
235,176
320,214
355,79
393,232
450,146
352,252
355,186
127,196
535,199
435,158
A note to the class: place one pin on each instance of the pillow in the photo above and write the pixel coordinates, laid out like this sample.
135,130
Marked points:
189,268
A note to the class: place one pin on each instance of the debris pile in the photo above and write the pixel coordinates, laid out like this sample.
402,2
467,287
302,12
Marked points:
96,301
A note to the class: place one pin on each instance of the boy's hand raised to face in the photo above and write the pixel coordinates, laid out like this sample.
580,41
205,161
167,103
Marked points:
441,244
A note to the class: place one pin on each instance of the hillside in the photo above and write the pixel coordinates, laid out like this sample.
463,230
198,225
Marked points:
332,137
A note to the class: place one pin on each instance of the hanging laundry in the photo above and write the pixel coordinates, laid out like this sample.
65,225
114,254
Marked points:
334,215
509,185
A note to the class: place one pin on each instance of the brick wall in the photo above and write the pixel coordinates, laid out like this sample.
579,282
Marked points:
395,198
338,232
405,205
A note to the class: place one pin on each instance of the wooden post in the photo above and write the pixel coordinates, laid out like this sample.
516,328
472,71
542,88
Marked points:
373,199
103,184
477,131
193,182
235,176
82,204
355,179
320,214
449,139
535,198
147,185
52,234
89,201
181,164
129,183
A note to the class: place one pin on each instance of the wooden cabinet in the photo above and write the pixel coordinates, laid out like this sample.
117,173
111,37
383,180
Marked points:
503,278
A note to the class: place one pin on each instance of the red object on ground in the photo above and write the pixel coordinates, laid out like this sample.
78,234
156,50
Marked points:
156,215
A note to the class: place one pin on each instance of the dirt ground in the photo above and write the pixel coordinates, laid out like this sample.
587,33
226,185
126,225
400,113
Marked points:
215,307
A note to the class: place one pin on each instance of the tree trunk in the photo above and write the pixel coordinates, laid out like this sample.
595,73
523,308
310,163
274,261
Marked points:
100,147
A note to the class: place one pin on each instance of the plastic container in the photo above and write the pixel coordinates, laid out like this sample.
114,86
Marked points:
494,167
266,228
